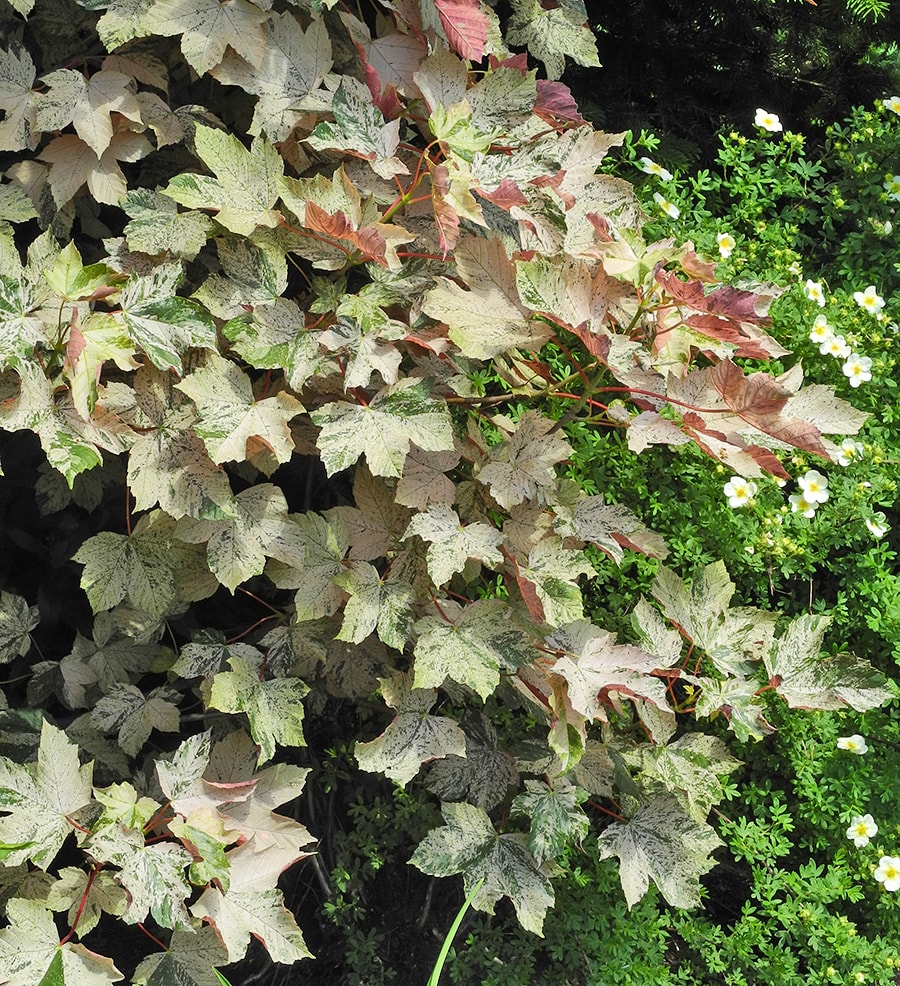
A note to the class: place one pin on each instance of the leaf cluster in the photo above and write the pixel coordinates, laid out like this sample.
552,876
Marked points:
365,268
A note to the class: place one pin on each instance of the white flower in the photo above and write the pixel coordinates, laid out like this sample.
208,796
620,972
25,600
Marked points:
652,168
877,527
850,449
821,331
768,121
669,208
853,744
801,506
862,828
813,291
892,187
835,346
739,491
858,369
869,300
888,872
892,103
814,487
726,244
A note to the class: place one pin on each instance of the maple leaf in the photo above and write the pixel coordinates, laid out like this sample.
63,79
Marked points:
123,21
552,33
594,665
274,708
15,207
70,443
84,898
309,554
806,680
274,336
30,952
376,524
468,844
689,768
73,162
424,480
39,798
384,429
663,843
253,906
736,699
87,104
17,72
727,314
20,330
471,645
162,325
190,960
655,635
156,226
610,526
547,581
453,543
138,566
375,604
413,737
365,353
232,424
152,874
488,318
246,183
359,128
134,716
207,652
482,776
556,820
521,467
237,545
208,27
466,25
728,636
168,463
286,78
17,620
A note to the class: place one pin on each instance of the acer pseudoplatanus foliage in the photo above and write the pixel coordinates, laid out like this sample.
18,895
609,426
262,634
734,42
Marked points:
391,209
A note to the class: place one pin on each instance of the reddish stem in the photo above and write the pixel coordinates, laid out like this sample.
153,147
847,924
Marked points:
250,629
152,937
91,877
606,811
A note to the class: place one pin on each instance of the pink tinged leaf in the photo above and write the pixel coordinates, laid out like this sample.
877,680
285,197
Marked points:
466,26
759,400
555,103
506,195
445,216
367,240
703,270
529,594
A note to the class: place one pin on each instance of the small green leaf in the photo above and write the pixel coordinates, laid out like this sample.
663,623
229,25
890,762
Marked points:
17,620
274,708
663,843
471,646
413,737
469,845
396,417
246,185
556,818
806,680
359,128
